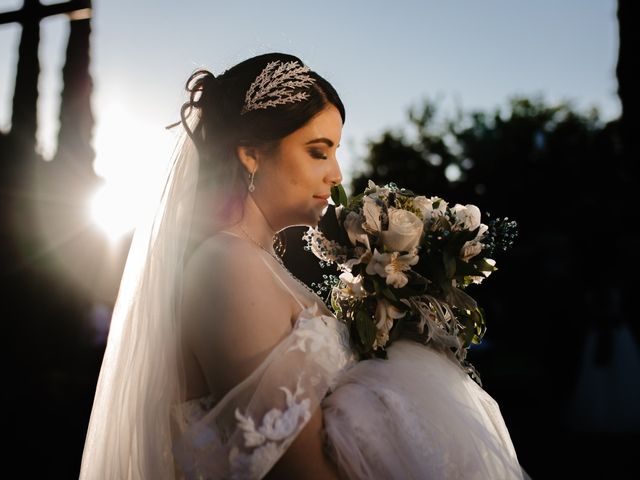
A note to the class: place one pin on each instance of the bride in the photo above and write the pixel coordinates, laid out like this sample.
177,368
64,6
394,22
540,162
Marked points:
221,364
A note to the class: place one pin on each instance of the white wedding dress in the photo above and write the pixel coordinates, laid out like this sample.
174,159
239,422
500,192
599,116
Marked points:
415,415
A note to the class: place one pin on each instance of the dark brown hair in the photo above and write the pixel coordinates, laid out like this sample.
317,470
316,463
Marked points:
220,129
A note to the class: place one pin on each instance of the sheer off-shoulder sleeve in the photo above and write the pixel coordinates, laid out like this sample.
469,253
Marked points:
243,435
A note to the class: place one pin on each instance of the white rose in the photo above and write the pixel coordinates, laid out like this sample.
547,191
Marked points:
467,217
405,231
482,231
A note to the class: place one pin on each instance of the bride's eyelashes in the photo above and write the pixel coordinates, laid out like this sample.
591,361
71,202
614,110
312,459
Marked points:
318,154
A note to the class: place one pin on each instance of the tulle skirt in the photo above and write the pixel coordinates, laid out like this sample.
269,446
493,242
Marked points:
416,415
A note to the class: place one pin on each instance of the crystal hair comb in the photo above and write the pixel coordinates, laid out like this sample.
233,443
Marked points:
275,86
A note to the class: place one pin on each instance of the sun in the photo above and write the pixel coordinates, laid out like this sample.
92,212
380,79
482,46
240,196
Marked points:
132,153
110,210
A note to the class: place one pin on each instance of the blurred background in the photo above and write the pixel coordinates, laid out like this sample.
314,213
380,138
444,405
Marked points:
526,109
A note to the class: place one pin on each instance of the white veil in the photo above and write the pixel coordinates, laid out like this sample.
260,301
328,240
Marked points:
129,433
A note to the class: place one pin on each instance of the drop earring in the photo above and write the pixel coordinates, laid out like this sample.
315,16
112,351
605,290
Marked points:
252,187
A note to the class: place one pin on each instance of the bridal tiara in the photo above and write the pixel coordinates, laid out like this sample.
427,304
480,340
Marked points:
275,85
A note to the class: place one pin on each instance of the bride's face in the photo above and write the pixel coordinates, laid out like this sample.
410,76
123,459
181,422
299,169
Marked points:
293,187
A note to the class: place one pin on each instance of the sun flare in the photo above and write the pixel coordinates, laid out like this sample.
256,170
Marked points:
131,155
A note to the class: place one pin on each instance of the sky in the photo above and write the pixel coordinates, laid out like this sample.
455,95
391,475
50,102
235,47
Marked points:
382,57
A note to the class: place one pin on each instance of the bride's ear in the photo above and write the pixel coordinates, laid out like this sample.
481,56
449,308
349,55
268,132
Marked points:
249,157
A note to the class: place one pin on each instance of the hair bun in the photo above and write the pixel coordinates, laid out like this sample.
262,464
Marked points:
210,82
199,84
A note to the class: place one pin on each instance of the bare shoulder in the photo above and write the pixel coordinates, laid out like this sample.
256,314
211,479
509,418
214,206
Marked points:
232,304
231,273
223,253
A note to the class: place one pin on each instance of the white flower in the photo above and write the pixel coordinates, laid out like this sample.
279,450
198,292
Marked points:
374,191
482,231
392,266
371,211
385,315
467,217
427,209
396,267
423,204
470,249
353,225
363,256
377,263
353,285
405,230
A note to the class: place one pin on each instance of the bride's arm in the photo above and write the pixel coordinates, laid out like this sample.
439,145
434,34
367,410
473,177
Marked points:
304,458
238,315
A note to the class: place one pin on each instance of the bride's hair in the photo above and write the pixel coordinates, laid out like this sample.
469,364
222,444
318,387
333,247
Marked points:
220,129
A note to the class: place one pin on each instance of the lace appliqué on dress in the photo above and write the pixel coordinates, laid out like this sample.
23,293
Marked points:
242,435
268,439
331,337
328,338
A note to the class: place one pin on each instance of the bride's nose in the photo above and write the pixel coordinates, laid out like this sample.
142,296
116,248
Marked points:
334,175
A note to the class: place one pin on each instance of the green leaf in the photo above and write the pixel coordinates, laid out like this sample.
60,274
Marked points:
469,331
389,294
335,195
335,305
480,326
339,196
485,266
366,328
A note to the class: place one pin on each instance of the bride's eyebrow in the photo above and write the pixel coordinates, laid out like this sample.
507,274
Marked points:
321,140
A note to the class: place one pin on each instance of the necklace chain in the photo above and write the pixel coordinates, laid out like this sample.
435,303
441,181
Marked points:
277,259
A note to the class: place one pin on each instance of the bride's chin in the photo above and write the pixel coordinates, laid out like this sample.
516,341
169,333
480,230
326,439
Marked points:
310,218
314,216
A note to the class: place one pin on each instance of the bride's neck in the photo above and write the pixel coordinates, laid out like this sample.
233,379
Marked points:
256,225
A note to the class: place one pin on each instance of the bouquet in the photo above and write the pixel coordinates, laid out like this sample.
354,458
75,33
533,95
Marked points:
405,262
